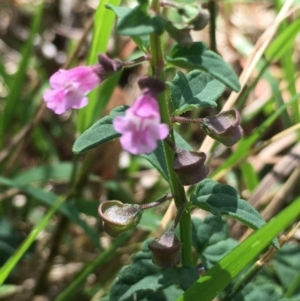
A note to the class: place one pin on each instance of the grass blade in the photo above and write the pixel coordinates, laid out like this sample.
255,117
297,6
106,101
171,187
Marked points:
12,262
103,23
15,86
220,275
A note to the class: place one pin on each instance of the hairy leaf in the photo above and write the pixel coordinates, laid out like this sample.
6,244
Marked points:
99,133
157,158
199,56
194,90
136,22
221,199
214,253
142,278
209,231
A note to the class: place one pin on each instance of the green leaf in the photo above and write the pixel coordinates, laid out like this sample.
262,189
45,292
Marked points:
194,90
249,176
221,274
136,21
221,199
286,264
99,133
168,294
283,42
143,278
157,159
121,11
209,231
259,292
214,253
16,85
200,57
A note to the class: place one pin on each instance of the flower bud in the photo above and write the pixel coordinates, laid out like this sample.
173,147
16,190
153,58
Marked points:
201,20
166,250
151,85
118,217
107,66
190,167
224,127
195,16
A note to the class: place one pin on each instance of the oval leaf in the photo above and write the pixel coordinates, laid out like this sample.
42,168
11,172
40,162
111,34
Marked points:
194,90
214,253
99,133
143,278
209,231
136,22
198,56
221,199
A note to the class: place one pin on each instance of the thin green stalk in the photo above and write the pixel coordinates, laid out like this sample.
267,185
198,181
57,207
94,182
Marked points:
92,266
14,259
288,67
212,20
177,189
293,287
16,84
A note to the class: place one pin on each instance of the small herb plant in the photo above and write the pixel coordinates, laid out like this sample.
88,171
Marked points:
147,128
185,258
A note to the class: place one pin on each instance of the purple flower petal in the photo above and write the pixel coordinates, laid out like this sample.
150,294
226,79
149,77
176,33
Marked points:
141,127
145,106
69,89
163,131
86,78
122,124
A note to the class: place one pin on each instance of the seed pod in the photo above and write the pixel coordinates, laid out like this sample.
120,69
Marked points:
166,250
224,127
118,217
190,166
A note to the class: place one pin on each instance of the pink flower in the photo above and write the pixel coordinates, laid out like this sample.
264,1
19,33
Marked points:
69,88
141,127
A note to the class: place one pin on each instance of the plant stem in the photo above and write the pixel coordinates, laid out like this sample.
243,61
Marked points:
293,287
212,20
156,203
137,61
180,119
157,63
